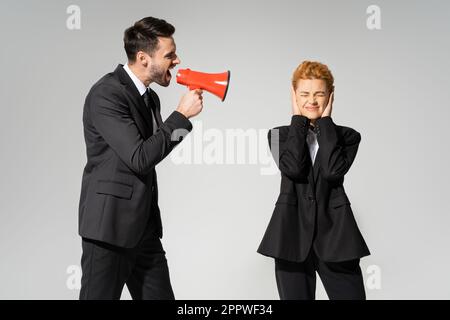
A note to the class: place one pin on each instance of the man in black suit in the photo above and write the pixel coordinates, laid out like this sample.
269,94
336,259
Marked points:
119,217
312,228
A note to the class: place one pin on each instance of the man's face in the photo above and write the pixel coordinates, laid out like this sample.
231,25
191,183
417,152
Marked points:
312,97
162,60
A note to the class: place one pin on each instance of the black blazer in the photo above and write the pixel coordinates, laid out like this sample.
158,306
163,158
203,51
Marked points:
313,210
119,191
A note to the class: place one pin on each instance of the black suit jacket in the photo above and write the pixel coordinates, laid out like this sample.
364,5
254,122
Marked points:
119,192
313,210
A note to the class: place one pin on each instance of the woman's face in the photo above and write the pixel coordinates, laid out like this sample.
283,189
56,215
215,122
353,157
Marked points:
312,97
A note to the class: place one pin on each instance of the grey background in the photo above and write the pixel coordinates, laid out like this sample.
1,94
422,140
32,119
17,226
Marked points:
391,86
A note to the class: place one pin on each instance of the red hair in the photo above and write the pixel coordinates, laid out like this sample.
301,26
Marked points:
313,70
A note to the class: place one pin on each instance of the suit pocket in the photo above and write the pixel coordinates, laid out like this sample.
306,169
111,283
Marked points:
117,189
286,198
338,201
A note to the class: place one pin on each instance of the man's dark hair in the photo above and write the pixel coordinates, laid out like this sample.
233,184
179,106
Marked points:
143,36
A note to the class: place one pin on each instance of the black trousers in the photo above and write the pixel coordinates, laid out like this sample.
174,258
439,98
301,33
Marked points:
297,281
107,268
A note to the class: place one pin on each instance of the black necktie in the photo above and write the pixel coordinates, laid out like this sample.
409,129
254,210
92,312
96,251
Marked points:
147,100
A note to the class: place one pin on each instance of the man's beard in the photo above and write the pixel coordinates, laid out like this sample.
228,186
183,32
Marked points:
159,76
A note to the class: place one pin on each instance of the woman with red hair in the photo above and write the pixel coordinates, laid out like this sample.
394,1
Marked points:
312,228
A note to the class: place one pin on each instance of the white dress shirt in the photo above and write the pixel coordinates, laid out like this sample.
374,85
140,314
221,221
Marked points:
142,89
313,145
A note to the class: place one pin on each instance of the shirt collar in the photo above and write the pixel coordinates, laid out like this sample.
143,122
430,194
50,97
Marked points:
138,83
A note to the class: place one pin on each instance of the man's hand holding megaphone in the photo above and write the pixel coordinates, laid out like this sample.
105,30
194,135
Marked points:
191,103
215,83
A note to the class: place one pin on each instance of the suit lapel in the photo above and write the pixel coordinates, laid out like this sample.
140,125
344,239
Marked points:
157,108
158,115
135,96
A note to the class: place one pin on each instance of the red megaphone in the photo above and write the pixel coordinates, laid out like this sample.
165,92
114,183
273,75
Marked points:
216,83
